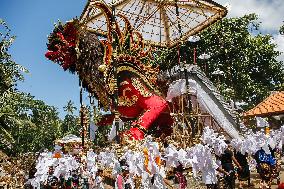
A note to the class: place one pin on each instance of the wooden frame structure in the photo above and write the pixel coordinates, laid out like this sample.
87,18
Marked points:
182,128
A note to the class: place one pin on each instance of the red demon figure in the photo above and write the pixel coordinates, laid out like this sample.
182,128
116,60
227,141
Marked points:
118,64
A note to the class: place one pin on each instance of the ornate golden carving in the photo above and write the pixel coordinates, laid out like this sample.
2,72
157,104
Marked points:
138,126
124,91
140,87
124,83
125,101
111,84
144,77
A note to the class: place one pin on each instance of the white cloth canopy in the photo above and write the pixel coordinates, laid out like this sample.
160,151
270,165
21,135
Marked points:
206,103
260,122
69,138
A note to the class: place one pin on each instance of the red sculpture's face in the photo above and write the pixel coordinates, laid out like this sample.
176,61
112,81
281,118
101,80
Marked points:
61,48
79,51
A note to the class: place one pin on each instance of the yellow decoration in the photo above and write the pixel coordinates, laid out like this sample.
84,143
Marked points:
267,130
111,84
57,155
146,78
102,68
140,87
146,161
124,83
158,161
125,101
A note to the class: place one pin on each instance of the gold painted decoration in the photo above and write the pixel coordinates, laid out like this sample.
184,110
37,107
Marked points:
144,77
111,84
138,126
125,101
108,52
140,87
124,83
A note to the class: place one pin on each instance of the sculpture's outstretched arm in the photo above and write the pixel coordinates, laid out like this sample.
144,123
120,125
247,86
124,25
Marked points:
154,110
153,106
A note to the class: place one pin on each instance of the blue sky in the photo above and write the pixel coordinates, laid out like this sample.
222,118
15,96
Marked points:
32,20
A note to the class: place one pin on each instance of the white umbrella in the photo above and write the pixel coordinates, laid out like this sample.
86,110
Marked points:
69,138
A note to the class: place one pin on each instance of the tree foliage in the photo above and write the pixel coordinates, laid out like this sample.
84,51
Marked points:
70,122
281,30
246,57
10,72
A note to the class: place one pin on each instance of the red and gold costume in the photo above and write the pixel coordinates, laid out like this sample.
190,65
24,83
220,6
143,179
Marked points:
136,101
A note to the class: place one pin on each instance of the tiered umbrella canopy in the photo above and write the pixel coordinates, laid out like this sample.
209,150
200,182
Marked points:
163,23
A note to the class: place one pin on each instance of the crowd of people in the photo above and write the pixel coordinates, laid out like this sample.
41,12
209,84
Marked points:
160,164
254,151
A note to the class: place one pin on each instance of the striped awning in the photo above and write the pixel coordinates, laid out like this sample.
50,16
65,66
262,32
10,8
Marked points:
272,105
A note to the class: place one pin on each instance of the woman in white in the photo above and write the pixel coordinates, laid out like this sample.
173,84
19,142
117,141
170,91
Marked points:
209,173
99,180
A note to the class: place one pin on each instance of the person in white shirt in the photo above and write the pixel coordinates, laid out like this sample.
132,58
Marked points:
99,180
209,174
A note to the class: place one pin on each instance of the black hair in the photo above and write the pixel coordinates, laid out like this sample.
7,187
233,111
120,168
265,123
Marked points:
227,142
122,162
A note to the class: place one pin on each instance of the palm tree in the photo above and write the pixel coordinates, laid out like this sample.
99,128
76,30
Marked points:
69,108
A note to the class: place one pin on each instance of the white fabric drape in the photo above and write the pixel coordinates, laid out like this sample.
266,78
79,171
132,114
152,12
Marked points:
206,103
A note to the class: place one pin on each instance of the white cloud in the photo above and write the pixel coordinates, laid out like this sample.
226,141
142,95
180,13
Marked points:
279,40
270,12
